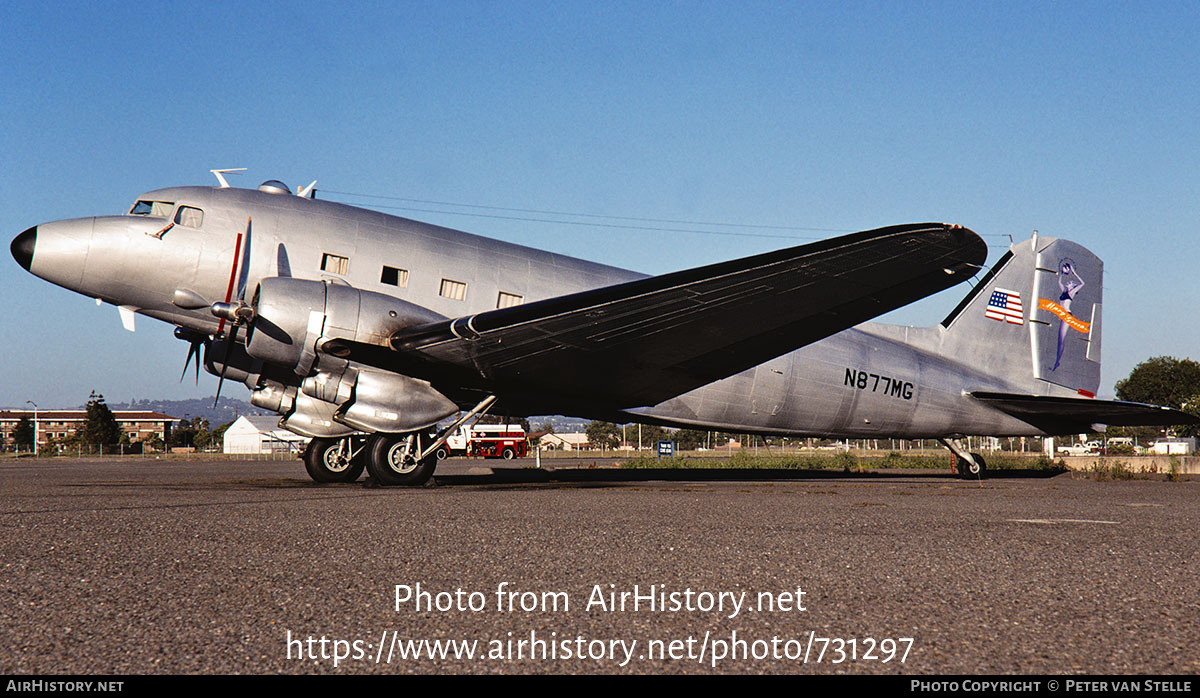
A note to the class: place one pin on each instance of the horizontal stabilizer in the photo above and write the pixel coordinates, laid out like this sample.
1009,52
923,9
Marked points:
1072,415
642,342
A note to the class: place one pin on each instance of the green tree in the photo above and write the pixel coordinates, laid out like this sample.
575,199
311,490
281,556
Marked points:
100,426
1162,380
689,439
218,435
1166,381
185,432
650,435
202,439
155,443
23,433
181,434
603,434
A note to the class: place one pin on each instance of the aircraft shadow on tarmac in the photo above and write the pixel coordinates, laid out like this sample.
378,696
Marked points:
516,476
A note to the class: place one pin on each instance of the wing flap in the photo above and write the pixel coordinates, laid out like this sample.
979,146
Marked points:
642,342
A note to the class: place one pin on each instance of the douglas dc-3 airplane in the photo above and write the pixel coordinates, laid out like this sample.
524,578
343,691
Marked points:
365,331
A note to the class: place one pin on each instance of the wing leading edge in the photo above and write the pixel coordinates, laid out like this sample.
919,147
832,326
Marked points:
642,342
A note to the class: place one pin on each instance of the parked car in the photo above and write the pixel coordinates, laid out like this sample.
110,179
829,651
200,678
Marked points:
1075,450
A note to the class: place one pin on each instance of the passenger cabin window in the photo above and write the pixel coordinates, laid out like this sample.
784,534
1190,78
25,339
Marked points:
153,209
334,263
189,217
394,277
454,290
507,300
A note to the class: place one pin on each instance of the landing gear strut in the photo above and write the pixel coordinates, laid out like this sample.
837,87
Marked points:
395,459
334,460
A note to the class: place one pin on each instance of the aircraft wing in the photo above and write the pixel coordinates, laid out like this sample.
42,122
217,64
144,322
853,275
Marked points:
1072,415
642,342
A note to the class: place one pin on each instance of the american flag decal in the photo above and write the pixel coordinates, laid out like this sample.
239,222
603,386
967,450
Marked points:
1005,305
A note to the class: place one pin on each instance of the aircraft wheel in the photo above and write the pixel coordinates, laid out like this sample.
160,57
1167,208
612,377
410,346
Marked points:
971,471
392,459
328,460
508,453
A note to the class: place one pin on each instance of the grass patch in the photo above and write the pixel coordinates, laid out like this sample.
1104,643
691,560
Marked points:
1104,469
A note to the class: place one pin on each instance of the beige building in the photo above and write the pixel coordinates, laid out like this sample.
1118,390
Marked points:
565,441
139,425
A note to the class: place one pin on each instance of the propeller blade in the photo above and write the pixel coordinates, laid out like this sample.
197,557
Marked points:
196,342
238,313
193,349
233,272
244,273
225,360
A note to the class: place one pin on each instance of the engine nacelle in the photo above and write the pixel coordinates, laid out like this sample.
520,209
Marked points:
291,315
221,355
275,396
391,402
314,418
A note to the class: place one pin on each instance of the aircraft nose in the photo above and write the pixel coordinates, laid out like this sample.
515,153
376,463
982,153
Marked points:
22,247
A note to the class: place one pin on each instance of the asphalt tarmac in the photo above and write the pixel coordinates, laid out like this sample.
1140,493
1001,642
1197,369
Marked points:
143,566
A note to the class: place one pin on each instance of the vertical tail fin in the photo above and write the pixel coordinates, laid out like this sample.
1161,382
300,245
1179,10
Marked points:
1035,317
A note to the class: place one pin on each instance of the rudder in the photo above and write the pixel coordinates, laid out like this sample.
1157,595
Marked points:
1036,314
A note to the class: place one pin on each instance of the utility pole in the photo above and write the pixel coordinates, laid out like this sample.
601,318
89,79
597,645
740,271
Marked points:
35,427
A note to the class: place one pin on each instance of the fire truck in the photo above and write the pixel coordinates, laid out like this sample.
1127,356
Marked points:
505,441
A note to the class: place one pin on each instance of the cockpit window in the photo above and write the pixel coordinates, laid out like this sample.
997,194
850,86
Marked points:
189,217
154,209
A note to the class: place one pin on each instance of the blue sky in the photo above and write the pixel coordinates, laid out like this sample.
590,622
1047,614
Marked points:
1076,119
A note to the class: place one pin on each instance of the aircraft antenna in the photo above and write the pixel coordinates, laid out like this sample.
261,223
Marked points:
220,175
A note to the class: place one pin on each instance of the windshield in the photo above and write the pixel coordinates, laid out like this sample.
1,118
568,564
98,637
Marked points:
154,209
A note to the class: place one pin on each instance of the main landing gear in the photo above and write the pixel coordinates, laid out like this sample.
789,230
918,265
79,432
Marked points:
335,460
395,459
392,459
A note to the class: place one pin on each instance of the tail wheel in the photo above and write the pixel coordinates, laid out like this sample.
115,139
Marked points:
333,460
392,459
971,471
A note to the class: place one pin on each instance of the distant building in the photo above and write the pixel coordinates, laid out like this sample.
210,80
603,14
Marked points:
1175,446
138,425
261,434
565,442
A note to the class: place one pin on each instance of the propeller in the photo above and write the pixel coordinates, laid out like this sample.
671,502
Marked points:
237,313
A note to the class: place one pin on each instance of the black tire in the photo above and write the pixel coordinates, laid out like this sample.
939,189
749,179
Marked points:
508,453
442,453
325,464
389,465
969,471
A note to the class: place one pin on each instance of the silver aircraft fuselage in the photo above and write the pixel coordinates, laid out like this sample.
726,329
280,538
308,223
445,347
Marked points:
873,380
